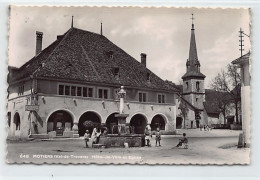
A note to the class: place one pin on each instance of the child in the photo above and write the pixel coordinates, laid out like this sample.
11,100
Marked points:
86,137
148,136
158,137
182,140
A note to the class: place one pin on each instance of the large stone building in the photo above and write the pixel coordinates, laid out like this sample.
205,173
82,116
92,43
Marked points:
72,84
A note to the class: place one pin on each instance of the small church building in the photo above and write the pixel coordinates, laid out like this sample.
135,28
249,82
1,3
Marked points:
72,85
200,103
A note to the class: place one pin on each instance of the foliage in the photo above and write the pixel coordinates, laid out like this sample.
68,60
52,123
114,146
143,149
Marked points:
183,110
227,85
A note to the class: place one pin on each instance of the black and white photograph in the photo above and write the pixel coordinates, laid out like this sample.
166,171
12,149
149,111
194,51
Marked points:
129,85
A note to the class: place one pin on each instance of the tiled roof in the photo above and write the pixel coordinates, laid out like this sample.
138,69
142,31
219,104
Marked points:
212,99
242,59
85,56
193,107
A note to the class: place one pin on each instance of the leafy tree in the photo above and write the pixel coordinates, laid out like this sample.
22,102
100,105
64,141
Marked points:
183,111
228,81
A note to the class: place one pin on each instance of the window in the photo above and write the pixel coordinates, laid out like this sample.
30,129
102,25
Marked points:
67,90
161,98
90,92
198,86
87,92
142,97
116,72
9,118
196,99
111,54
73,90
187,85
103,93
148,77
79,91
61,89
21,90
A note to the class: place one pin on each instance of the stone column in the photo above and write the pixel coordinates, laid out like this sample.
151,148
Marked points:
75,129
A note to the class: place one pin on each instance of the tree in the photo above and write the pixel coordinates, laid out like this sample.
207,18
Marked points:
222,101
183,111
228,82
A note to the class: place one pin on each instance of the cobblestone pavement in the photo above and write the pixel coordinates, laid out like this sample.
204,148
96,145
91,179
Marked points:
220,149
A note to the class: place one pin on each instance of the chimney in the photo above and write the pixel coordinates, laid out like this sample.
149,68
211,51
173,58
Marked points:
38,42
143,59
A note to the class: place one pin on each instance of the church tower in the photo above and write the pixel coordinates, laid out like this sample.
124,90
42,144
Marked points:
193,79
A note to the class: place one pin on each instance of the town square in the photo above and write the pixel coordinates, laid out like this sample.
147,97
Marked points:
221,148
103,89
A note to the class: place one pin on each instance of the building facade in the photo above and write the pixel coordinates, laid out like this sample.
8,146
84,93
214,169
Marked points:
244,63
72,85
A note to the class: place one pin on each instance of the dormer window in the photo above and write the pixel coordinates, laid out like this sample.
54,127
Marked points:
116,72
148,77
110,54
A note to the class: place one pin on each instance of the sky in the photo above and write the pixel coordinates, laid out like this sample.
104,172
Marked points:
162,33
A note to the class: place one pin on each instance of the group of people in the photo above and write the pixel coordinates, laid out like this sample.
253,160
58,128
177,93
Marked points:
148,136
205,127
96,133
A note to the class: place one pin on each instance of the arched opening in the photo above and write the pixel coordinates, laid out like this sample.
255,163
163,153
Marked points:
111,121
60,121
179,122
158,122
17,121
88,121
138,122
9,119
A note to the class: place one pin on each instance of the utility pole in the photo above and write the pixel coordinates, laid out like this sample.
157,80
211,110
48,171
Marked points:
241,33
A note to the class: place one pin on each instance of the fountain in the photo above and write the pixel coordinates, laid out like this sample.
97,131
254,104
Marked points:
125,135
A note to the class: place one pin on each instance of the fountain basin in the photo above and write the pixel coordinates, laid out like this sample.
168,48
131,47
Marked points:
114,140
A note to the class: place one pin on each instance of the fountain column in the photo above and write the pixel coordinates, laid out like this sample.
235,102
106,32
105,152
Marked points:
121,117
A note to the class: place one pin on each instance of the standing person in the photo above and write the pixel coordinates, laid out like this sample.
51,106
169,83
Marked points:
98,134
201,127
158,137
95,135
86,138
148,136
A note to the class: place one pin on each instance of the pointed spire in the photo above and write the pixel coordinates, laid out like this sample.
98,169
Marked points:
192,18
193,57
72,21
193,64
101,30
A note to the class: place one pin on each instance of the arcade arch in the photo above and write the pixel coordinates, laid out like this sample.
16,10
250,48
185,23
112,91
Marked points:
60,121
179,121
88,121
111,121
17,121
138,122
158,121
